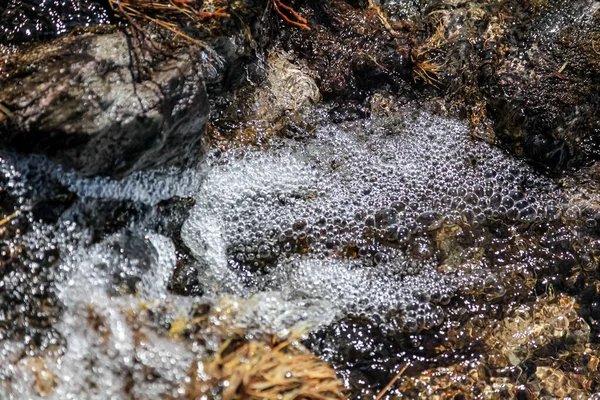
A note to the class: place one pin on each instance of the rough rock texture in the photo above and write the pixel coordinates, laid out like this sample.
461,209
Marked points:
524,72
351,50
545,98
288,89
103,107
255,113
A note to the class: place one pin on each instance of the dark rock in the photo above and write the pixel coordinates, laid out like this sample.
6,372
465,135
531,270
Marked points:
524,73
103,106
253,114
350,50
545,102
29,306
102,217
50,209
30,20
129,257
185,281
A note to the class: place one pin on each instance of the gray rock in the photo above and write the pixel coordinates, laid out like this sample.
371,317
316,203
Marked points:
103,106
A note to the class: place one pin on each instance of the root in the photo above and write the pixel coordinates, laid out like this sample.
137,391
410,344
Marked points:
425,68
294,18
168,14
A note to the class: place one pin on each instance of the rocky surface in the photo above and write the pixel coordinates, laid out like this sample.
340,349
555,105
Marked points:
103,107
277,105
524,73
110,101
544,99
412,254
351,50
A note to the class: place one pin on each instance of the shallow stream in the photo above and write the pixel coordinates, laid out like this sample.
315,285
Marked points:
390,241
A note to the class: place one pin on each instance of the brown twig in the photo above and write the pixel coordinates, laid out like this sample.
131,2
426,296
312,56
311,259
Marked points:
5,111
162,12
10,217
389,385
220,13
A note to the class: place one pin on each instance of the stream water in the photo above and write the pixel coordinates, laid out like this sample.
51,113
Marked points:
398,227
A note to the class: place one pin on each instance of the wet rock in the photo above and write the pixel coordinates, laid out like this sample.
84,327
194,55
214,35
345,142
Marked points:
102,217
129,257
277,102
348,345
545,98
184,280
514,359
29,20
28,305
102,106
524,73
289,88
351,50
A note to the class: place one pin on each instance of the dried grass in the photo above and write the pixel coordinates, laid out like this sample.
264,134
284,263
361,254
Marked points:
426,71
252,370
424,68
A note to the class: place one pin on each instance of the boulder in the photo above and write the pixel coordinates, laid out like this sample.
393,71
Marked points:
105,106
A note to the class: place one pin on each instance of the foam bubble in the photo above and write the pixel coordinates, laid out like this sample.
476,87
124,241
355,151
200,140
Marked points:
147,187
346,219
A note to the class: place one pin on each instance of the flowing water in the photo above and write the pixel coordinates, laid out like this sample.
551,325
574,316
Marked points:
377,236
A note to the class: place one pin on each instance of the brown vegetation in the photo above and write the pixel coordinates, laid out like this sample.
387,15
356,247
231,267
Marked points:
167,14
279,369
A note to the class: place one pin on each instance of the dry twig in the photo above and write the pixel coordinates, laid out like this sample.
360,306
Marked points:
10,217
389,385
167,14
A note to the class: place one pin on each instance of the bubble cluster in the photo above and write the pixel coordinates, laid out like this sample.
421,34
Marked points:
353,212
101,288
14,190
365,232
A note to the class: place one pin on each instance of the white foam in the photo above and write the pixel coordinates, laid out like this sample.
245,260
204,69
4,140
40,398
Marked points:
344,176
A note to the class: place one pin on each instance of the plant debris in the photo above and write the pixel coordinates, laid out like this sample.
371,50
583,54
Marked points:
279,369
